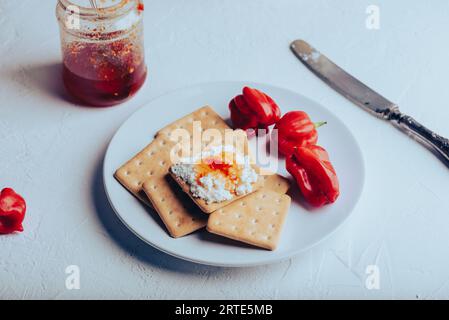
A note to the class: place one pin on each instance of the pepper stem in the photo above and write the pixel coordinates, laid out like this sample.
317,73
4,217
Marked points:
320,124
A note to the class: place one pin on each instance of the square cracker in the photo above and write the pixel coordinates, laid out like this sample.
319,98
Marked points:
152,164
257,219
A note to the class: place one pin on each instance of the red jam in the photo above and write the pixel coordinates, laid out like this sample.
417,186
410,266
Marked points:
217,166
103,74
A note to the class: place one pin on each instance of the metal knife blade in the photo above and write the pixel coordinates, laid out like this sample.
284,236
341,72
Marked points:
340,80
367,98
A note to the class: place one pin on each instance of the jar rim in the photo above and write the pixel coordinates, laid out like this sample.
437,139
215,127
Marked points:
112,11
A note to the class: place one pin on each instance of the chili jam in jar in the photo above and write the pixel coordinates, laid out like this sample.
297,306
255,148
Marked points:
102,49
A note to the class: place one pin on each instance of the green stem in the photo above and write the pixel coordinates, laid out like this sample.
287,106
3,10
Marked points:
320,124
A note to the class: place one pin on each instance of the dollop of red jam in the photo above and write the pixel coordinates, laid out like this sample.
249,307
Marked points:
218,167
103,74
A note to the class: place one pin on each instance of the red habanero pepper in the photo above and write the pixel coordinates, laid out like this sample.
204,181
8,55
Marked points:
253,110
295,129
315,175
12,211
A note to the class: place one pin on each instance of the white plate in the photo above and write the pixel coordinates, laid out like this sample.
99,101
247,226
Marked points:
304,228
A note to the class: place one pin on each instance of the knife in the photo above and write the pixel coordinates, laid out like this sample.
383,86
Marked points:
368,99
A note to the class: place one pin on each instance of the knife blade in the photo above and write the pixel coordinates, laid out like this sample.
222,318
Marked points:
367,98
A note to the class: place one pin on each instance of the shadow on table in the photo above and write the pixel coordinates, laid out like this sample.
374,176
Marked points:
129,241
44,79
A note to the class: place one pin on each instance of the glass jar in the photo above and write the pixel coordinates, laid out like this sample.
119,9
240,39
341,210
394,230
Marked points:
103,50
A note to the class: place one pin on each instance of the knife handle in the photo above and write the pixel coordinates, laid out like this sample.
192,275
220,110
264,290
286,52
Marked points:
424,135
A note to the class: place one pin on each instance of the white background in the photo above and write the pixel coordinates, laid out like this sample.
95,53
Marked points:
51,151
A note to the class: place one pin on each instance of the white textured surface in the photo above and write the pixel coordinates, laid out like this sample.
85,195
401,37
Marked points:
51,151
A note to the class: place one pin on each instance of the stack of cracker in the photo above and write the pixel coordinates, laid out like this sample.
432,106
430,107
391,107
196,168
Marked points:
256,218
